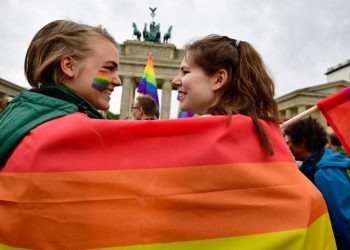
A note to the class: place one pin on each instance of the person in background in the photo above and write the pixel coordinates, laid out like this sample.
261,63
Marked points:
73,68
327,169
144,108
335,144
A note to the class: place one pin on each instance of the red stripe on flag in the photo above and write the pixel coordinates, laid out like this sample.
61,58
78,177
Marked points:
75,143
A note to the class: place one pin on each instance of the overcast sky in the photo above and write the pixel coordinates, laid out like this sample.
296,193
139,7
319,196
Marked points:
298,39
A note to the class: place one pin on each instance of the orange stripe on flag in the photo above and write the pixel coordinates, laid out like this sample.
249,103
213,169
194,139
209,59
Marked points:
132,207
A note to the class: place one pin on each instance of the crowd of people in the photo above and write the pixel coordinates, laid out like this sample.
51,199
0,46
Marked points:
219,76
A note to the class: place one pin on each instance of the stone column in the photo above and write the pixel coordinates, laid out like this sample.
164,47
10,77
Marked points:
288,113
132,94
126,96
166,100
301,109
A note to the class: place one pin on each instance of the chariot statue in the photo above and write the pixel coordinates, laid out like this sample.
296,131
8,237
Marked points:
153,34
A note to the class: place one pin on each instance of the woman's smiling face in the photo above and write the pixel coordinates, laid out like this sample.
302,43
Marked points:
103,55
195,88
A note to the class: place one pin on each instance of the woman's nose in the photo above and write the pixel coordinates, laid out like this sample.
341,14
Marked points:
116,80
176,82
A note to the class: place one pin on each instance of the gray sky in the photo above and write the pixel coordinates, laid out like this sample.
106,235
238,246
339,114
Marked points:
298,39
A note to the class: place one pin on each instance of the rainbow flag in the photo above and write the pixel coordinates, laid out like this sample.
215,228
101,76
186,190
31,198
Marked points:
196,184
148,83
336,110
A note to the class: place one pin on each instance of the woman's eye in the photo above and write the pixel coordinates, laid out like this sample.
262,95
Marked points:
110,68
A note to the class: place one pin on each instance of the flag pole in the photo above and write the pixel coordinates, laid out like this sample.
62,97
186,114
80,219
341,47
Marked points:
299,116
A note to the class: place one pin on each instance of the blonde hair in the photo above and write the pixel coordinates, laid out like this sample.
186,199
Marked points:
55,41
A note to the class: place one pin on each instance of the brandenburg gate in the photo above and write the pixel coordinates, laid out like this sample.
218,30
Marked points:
133,58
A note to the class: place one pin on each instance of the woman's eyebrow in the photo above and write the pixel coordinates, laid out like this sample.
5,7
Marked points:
115,65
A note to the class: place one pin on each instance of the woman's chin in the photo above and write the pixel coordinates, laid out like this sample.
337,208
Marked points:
184,108
104,106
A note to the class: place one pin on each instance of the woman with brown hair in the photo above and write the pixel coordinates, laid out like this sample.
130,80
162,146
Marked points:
224,76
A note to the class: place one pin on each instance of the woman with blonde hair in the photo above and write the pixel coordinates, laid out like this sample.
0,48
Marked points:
72,67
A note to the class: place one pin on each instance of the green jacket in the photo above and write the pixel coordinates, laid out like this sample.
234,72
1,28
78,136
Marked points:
31,108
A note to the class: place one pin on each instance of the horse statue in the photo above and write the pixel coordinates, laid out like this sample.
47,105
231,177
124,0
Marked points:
145,33
157,33
137,33
154,32
167,35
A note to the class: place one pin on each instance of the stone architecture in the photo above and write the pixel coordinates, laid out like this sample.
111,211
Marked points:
133,58
339,72
9,89
295,102
300,100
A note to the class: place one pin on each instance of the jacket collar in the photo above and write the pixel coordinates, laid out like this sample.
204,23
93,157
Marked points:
62,92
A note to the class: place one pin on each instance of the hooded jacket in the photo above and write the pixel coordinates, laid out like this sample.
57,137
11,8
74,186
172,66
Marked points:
331,178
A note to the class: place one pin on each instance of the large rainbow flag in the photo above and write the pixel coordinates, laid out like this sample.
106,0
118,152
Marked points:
194,184
148,83
336,110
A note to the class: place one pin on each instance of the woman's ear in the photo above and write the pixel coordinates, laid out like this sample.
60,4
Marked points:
221,79
68,66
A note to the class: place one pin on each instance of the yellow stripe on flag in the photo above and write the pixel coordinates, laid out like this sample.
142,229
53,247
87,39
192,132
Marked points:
311,238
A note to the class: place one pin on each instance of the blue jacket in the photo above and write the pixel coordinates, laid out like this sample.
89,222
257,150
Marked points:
332,180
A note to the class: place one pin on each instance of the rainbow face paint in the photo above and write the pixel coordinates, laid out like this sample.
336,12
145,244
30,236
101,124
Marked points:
101,80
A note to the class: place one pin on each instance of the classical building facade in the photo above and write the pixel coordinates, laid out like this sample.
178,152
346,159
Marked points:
296,102
133,58
339,72
8,89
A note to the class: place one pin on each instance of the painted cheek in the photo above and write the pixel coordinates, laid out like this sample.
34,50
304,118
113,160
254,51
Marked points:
101,80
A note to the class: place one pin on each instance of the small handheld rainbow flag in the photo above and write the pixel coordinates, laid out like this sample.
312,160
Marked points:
101,80
148,83
336,110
